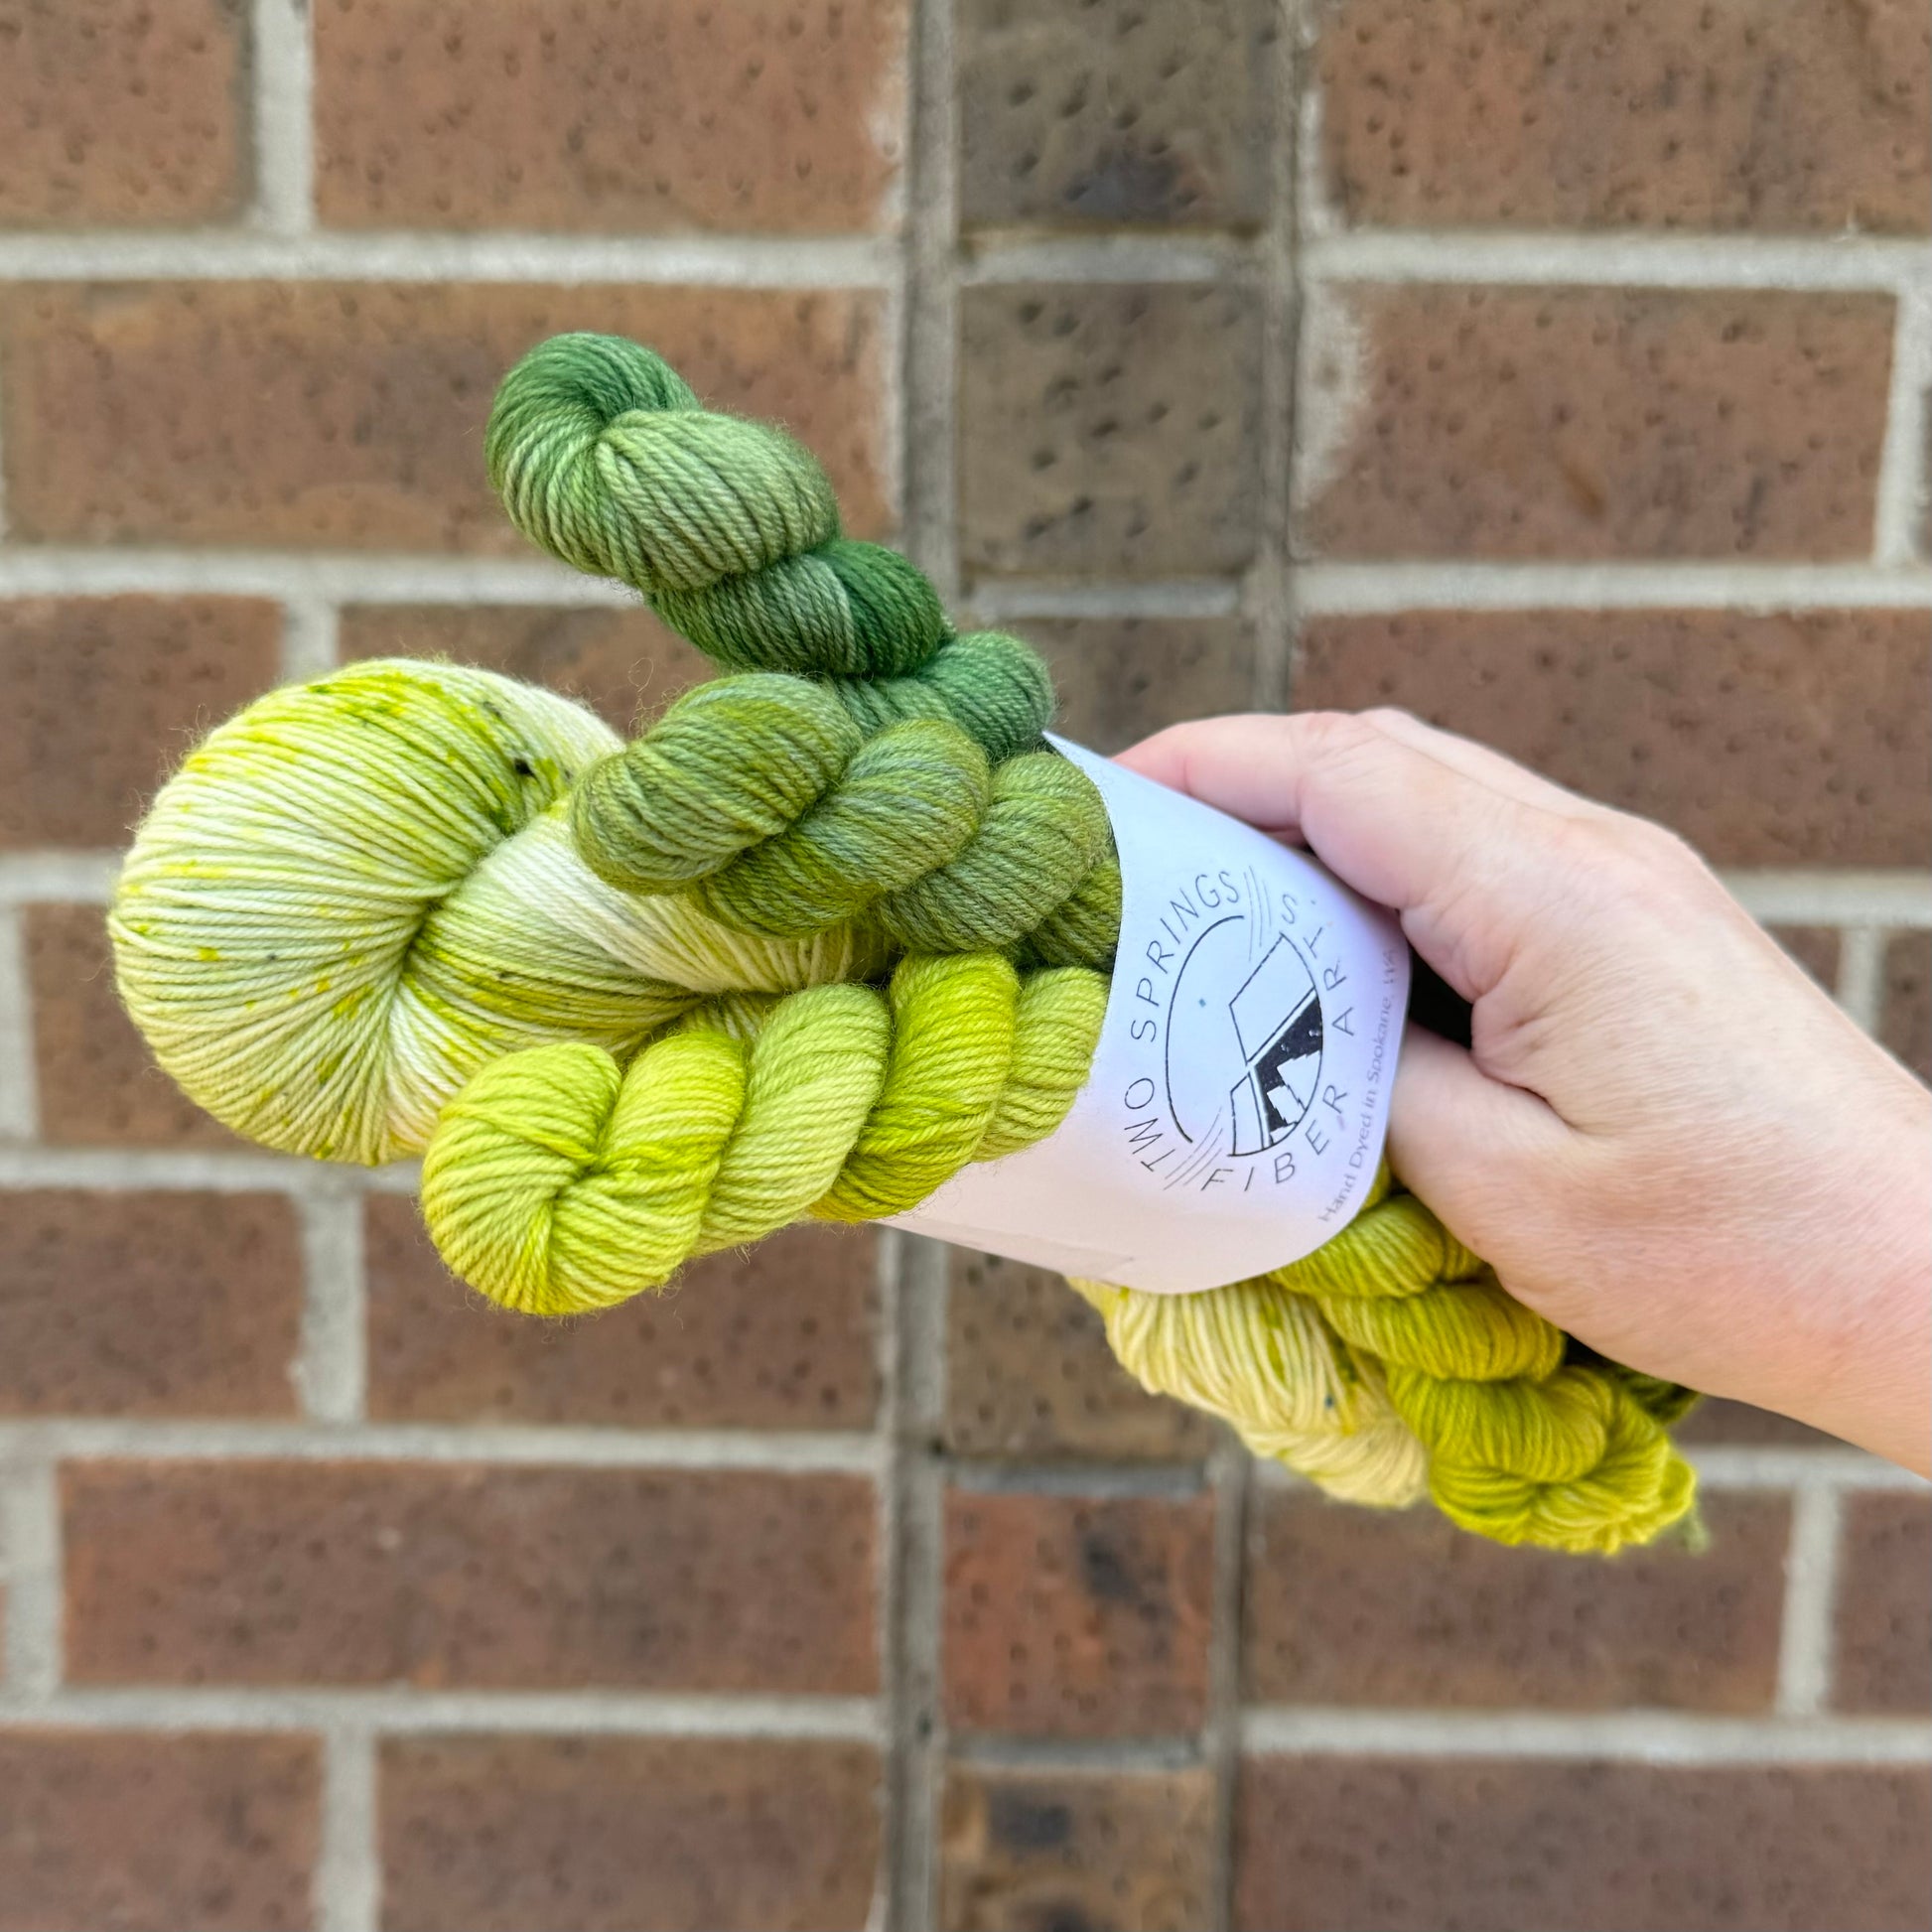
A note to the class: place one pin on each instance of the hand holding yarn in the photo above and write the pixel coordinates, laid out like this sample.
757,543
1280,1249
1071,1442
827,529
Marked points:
1666,1134
836,924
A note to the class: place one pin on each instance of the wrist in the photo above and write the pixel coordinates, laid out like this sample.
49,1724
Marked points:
1875,1388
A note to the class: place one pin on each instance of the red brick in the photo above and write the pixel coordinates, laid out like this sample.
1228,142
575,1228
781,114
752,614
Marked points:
1715,1420
125,112
1676,113
1487,1844
141,1832
1591,422
776,1336
106,695
765,116
1765,739
1077,1616
1884,1607
1077,1848
96,1081
1073,114
1109,429
1121,679
491,1834
345,415
1356,1606
148,1304
492,1576
1028,1373
1906,1019
621,662
1815,947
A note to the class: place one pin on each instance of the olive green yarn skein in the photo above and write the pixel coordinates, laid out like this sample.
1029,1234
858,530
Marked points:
791,805
755,794
764,796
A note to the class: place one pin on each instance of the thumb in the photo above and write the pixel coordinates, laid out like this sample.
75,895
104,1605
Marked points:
1474,1149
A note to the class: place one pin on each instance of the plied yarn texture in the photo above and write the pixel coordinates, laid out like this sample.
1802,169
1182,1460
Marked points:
835,924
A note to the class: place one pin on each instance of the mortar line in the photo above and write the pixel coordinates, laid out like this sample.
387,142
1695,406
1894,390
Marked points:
781,263
332,1371
337,577
1346,589
1841,1468
1000,600
1804,263
386,1712
1337,588
347,1878
929,366
1271,587
780,1453
1004,259
1824,897
1902,479
1736,1467
914,1279
866,261
1095,1480
916,1727
1274,602
283,121
30,1542
1861,974
1643,1737
1006,1752
58,878
309,643
168,1168
1810,1600
888,1265
19,1099
1221,1737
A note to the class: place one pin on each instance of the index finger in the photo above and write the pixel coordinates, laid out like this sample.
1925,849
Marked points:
1457,846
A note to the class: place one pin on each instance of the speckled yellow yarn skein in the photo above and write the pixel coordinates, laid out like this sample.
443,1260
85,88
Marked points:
359,892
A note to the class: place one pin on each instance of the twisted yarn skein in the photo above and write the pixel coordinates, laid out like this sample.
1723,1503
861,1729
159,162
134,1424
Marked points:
641,1002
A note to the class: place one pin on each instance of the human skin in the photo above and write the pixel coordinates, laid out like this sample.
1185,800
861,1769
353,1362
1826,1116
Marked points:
1663,1135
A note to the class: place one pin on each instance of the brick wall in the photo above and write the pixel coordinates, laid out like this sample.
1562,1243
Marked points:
1557,370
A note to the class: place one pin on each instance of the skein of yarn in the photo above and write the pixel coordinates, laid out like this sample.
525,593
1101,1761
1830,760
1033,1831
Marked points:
835,925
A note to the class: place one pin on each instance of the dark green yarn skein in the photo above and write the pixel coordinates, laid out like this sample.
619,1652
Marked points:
871,761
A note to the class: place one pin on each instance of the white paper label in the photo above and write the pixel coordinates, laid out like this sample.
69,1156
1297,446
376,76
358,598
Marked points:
1238,1101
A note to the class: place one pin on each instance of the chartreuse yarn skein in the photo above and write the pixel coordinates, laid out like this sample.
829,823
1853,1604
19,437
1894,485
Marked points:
413,907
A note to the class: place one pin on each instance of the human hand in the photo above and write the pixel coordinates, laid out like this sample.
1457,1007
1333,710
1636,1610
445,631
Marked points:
1664,1136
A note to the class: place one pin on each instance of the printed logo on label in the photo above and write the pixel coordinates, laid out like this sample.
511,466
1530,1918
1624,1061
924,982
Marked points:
1235,997
1233,1115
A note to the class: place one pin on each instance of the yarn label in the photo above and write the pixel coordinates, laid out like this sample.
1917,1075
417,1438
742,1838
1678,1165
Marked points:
1238,1101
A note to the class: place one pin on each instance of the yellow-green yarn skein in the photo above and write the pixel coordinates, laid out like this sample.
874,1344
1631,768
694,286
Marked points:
359,892
1451,1388
560,1179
